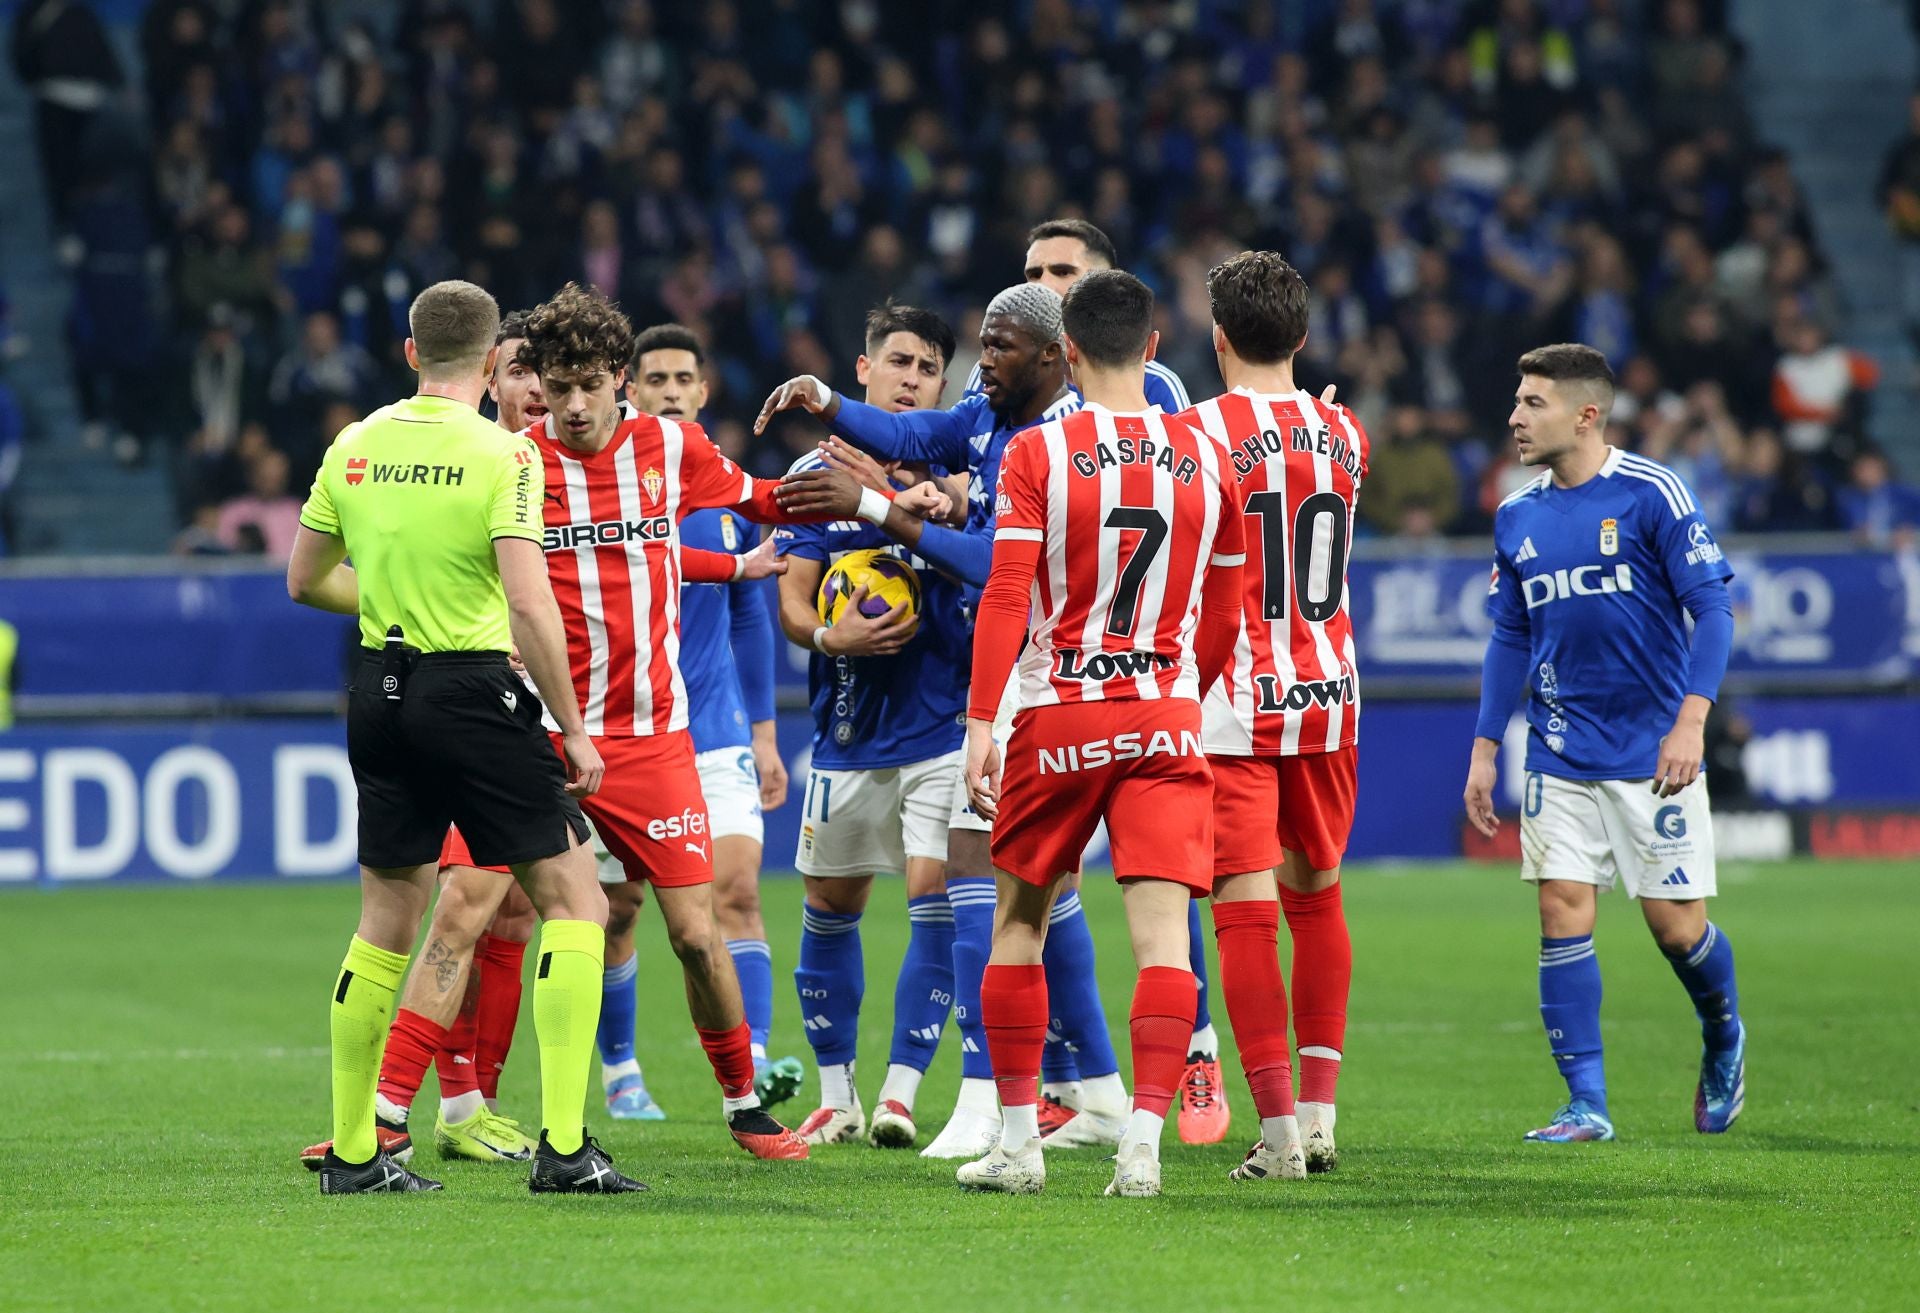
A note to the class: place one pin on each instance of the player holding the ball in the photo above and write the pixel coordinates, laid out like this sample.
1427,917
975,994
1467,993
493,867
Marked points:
887,683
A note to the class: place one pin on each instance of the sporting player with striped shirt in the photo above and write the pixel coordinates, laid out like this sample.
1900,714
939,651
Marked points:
727,641
1281,726
1117,636
1060,252
616,490
1598,565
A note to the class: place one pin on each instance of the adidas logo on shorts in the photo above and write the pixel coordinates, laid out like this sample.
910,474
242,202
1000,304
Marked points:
1676,878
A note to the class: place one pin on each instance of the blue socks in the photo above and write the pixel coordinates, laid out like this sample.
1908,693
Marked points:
1073,995
831,978
618,1006
924,993
1570,1008
1706,970
1197,962
753,963
972,899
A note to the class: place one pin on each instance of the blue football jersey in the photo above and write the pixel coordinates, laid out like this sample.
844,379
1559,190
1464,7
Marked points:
726,640
1595,582
1164,388
875,712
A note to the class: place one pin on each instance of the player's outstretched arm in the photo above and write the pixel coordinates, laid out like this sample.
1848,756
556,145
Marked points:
803,393
540,637
318,576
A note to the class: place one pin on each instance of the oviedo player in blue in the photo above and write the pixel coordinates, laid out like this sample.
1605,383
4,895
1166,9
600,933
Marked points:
1598,563
1024,373
1060,252
887,693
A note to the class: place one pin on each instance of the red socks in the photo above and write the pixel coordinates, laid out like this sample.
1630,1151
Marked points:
1164,1001
454,1062
1322,974
411,1045
498,1011
731,1053
1013,1008
1248,934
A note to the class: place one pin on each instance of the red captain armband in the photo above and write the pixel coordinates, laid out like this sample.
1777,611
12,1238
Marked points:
699,566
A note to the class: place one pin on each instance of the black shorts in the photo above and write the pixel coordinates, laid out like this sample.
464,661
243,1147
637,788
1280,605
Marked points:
462,745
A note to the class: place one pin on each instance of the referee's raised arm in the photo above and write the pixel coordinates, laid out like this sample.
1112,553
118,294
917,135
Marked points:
440,512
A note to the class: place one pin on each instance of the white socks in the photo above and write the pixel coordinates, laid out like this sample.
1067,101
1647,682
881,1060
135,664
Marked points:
388,1110
979,1094
1104,1095
1143,1128
1279,1132
1205,1042
610,1074
1019,1124
902,1084
461,1106
836,1085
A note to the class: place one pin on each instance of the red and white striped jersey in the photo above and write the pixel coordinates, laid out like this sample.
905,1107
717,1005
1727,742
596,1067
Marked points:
1129,511
613,553
1291,688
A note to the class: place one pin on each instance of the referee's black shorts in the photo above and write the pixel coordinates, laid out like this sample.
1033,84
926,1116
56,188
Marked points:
462,745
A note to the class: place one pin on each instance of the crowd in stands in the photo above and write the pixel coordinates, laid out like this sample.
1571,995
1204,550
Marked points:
1458,179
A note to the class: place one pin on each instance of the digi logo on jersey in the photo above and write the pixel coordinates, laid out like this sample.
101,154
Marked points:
1102,666
1305,693
1121,747
1581,581
608,533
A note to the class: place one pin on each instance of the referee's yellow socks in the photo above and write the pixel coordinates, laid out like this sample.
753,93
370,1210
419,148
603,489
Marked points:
363,999
566,1011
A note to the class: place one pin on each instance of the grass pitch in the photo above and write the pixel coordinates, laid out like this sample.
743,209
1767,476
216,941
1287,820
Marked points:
162,1058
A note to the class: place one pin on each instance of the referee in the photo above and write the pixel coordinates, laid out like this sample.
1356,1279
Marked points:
442,515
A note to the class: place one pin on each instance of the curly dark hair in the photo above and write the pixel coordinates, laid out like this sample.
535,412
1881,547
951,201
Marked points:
577,330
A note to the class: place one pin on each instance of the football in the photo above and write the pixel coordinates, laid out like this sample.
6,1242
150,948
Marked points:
889,581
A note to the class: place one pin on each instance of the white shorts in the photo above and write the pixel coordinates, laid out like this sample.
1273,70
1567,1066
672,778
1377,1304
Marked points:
605,863
1596,831
869,822
732,784
964,816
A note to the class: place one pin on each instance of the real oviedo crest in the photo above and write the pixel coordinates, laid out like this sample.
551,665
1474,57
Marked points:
1609,537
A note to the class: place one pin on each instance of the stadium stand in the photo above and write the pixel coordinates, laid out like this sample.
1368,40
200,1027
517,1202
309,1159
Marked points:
245,224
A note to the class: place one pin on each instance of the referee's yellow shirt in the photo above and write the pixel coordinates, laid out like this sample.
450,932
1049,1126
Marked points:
418,491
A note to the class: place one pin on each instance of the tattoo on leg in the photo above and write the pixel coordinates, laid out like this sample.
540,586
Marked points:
446,967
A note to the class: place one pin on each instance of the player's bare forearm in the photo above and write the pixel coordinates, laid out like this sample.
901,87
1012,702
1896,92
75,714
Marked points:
338,591
1693,711
798,588
317,575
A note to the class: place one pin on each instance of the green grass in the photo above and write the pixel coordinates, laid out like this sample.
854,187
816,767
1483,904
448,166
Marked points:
161,1061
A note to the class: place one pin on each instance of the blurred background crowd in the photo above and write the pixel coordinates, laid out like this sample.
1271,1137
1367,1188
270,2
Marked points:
1458,180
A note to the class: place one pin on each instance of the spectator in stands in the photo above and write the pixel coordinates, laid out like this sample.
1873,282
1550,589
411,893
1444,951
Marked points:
1411,482
321,369
62,56
1457,180
1899,195
1819,387
266,514
12,438
1779,492
1876,509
